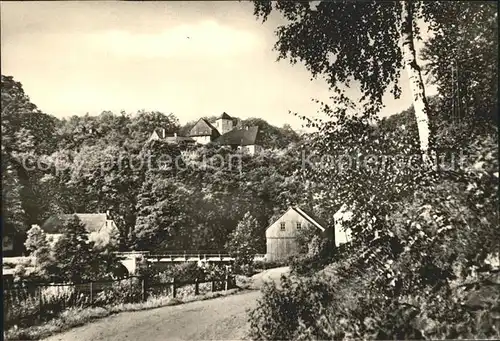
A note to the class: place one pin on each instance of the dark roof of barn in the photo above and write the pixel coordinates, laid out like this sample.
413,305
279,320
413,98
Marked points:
92,222
240,137
203,128
225,116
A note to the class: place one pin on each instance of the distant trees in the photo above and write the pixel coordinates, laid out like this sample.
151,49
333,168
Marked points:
97,163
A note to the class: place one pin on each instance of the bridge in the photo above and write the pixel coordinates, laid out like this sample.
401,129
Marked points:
131,258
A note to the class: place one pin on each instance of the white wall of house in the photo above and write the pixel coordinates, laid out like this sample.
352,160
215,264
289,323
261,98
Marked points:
342,235
250,149
154,136
202,139
281,235
104,236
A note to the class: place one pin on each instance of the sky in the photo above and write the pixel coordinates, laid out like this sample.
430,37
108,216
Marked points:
189,58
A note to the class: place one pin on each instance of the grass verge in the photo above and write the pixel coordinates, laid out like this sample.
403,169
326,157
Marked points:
79,316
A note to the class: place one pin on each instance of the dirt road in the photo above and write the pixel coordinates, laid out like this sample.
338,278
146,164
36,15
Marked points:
224,318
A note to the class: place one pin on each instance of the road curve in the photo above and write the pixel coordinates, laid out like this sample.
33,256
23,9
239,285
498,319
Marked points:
223,318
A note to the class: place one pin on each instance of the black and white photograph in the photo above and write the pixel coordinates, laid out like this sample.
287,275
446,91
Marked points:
250,170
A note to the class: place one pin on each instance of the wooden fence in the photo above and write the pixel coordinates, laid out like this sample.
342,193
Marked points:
30,303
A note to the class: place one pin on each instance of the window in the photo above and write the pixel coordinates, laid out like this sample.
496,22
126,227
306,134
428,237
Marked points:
299,225
282,226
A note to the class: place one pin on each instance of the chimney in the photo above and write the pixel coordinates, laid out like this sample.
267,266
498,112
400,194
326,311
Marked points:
163,132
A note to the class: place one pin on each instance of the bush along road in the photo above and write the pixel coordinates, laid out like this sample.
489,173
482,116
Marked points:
224,318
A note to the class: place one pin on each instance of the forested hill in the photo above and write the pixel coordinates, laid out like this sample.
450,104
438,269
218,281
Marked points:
85,164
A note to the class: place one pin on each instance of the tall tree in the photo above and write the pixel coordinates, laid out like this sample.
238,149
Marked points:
350,41
462,58
73,251
243,241
13,215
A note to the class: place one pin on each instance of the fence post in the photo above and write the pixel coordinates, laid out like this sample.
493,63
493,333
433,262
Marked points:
226,281
40,301
143,289
174,289
196,286
213,285
91,293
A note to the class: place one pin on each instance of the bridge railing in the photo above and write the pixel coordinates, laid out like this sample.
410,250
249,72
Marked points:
185,255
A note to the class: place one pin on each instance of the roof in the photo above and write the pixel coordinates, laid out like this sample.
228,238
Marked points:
159,132
225,116
92,222
307,216
311,218
203,128
239,137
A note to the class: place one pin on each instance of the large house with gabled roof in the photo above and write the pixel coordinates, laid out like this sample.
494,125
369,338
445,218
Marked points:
203,132
100,227
224,132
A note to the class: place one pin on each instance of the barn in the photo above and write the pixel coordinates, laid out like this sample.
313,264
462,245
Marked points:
281,234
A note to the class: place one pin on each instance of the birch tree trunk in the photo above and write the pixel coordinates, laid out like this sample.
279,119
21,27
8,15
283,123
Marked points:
415,77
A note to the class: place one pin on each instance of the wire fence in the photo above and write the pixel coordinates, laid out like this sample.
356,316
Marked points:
28,303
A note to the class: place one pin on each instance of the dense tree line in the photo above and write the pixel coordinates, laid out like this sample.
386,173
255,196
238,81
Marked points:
96,163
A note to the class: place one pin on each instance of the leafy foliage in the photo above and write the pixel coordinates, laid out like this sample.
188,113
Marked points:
462,58
369,55
243,242
420,236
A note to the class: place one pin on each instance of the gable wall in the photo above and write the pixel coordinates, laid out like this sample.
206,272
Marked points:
280,245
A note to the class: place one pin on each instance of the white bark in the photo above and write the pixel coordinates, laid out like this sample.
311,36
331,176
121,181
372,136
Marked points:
415,77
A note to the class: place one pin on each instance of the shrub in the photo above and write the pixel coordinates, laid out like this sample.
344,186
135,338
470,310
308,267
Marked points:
320,252
183,273
280,309
242,244
122,291
265,264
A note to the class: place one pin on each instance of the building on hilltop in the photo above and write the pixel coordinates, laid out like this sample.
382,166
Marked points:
203,132
224,133
244,139
160,135
224,123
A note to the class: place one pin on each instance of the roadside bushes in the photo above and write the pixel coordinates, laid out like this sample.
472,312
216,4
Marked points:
418,258
188,273
318,253
121,292
333,307
280,309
